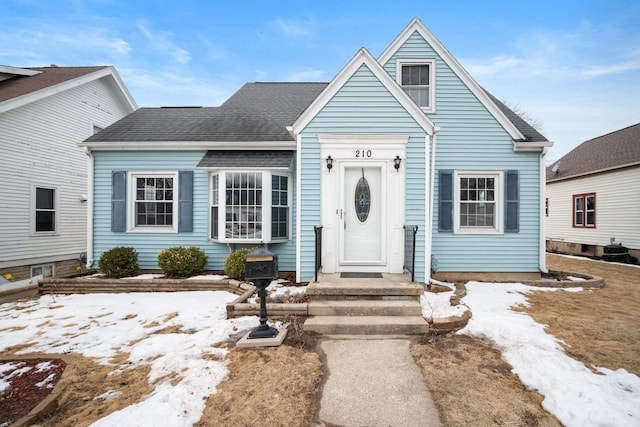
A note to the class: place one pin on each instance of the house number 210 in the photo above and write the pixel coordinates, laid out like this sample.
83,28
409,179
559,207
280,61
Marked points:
363,153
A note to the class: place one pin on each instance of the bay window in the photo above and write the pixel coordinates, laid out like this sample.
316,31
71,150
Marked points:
250,206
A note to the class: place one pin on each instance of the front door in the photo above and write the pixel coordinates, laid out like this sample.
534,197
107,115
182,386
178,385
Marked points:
362,211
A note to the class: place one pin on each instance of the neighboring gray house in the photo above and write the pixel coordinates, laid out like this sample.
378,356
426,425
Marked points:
390,144
592,195
44,113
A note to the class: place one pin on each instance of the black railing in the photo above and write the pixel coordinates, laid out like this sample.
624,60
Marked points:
410,232
317,229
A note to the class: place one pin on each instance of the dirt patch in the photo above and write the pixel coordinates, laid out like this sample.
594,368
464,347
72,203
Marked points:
472,385
599,326
267,387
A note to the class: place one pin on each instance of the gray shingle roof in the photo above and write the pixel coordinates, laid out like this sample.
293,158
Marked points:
257,112
246,159
610,151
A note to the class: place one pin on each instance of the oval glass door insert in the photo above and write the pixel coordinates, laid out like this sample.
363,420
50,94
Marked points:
362,199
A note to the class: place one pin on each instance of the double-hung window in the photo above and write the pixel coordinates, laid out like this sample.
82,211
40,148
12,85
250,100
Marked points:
478,204
416,78
584,210
154,201
44,210
250,206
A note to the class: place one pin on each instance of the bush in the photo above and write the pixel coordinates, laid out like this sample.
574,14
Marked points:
234,266
119,262
181,262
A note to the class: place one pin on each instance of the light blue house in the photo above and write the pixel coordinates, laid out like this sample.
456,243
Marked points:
406,148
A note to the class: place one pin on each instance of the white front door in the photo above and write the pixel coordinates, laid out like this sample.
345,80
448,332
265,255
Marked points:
362,234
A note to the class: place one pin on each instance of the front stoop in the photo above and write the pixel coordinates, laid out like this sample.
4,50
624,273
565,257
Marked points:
365,307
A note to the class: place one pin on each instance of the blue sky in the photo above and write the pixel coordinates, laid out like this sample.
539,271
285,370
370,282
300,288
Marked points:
573,66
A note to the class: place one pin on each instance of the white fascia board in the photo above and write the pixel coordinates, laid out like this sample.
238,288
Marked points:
126,96
28,98
187,145
363,57
526,146
447,57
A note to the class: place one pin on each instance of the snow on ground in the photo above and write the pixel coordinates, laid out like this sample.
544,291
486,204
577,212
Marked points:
572,392
103,325
276,290
436,305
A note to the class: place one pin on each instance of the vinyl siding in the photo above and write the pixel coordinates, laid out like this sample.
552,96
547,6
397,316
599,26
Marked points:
38,145
362,106
472,139
149,244
617,209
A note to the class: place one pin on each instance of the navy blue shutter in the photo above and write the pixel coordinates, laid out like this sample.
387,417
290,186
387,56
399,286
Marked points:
118,201
445,208
512,202
185,201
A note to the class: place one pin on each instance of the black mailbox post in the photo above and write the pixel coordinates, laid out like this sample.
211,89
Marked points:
261,268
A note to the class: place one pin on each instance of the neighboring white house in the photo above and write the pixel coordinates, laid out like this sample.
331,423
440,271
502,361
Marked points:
592,195
44,113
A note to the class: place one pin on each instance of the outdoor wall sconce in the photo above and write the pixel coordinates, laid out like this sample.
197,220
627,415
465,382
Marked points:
329,163
396,162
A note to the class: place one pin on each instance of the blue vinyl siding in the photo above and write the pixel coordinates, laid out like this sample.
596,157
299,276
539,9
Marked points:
149,244
471,139
362,106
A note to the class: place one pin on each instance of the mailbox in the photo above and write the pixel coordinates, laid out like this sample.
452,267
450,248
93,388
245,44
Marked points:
261,265
261,268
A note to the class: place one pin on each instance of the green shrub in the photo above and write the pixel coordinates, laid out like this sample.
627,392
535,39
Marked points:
234,265
119,262
181,262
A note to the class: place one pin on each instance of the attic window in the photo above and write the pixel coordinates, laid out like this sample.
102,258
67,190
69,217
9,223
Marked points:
416,78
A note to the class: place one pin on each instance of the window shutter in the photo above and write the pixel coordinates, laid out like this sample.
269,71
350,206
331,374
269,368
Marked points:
185,201
512,202
445,209
118,201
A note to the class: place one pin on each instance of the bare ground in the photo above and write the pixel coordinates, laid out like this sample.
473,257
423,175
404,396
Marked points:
469,381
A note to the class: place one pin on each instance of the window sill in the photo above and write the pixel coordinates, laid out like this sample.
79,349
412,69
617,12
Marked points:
481,231
163,230
43,233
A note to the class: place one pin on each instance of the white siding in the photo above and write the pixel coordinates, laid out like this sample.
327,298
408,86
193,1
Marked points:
617,209
38,147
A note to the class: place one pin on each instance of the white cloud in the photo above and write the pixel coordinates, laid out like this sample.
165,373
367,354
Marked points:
305,74
293,28
161,41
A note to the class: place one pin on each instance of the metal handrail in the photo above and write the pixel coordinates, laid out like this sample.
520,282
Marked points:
317,229
410,232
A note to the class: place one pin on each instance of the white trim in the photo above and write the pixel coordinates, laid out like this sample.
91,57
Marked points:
499,202
131,199
529,146
432,79
53,270
187,145
90,189
109,72
32,210
542,225
474,87
362,57
298,186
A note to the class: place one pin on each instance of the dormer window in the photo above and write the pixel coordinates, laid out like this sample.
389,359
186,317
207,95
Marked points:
416,78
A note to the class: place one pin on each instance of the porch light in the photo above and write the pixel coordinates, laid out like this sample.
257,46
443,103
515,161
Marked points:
329,163
396,162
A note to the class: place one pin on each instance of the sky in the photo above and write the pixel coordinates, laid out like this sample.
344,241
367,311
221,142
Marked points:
186,366
573,66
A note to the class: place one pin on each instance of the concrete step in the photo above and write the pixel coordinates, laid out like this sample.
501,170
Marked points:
364,289
364,308
366,325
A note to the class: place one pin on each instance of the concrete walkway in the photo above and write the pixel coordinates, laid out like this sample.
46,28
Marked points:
374,382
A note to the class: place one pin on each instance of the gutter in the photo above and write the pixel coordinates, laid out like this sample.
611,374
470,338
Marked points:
90,172
429,231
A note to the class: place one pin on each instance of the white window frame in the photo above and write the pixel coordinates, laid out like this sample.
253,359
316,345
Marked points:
32,211
267,204
131,203
432,81
499,202
43,266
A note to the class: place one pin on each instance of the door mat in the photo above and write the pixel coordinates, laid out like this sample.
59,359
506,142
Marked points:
361,275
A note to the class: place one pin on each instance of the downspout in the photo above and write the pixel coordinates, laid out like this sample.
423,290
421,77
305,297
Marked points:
429,231
543,169
90,169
